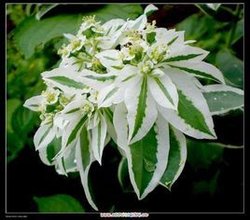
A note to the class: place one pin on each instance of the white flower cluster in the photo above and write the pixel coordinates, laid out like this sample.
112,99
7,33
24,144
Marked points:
130,81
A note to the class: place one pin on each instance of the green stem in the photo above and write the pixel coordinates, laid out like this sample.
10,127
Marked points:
232,31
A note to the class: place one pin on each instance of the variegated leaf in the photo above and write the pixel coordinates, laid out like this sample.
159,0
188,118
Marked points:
121,125
200,70
222,98
34,103
176,159
193,116
184,52
47,154
95,80
65,79
43,136
141,108
147,158
99,134
108,96
108,115
164,92
84,159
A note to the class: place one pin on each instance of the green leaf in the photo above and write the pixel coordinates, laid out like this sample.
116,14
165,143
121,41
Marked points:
176,159
31,32
192,115
12,105
206,186
23,121
239,31
194,26
231,67
14,146
201,155
58,203
208,33
44,9
222,99
67,82
123,11
208,10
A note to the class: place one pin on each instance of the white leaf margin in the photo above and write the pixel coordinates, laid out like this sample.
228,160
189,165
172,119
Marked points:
183,154
223,88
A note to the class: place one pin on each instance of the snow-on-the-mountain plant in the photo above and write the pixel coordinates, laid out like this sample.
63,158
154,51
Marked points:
132,82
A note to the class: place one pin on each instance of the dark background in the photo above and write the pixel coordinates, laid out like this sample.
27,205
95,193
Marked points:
27,176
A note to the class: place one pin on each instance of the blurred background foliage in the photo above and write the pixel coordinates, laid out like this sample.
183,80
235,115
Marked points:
213,176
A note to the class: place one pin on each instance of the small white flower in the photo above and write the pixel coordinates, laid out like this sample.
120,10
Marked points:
51,95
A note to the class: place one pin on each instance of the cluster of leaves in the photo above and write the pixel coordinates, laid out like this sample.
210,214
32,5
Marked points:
28,57
32,58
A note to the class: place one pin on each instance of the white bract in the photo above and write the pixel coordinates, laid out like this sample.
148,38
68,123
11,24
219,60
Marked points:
135,83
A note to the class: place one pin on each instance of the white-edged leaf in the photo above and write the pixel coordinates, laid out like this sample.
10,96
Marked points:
108,114
200,70
69,158
184,52
84,159
147,158
43,136
164,92
34,103
99,134
48,155
122,173
127,76
121,125
176,159
97,81
43,156
171,37
93,121
72,129
72,110
222,98
60,167
109,95
65,78
150,8
141,108
112,26
141,21
193,116
109,58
